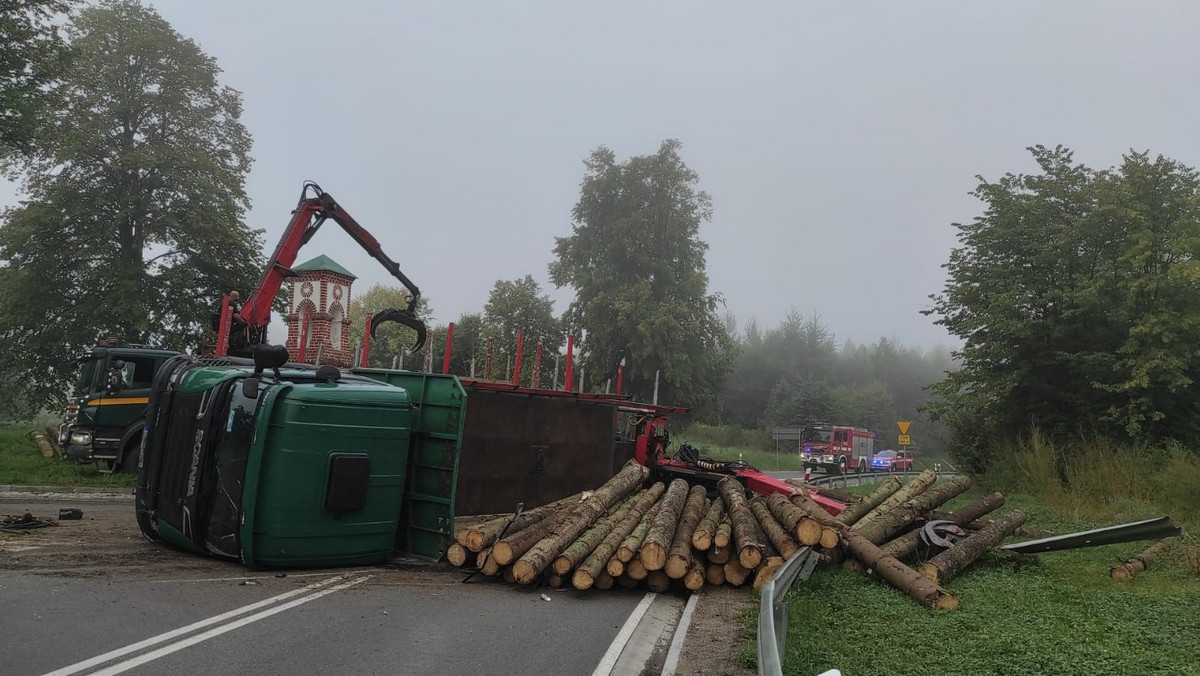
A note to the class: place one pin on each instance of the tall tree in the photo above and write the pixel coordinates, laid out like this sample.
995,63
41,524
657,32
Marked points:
520,305
636,262
32,55
134,224
1076,297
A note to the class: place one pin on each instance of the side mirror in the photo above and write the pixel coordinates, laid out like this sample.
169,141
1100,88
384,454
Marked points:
115,379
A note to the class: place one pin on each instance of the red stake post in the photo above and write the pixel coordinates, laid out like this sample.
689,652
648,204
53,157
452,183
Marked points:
517,368
536,381
366,351
223,327
620,372
449,345
569,378
491,353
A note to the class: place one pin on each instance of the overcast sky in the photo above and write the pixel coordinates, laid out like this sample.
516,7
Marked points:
838,140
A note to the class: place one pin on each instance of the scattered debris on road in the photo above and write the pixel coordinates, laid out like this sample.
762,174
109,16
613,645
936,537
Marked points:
24,523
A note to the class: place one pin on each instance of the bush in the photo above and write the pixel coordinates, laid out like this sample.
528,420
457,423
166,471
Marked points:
728,436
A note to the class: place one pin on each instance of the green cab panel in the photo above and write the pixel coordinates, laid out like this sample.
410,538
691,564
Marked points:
325,477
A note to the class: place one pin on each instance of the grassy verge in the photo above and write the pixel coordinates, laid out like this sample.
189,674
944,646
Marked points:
766,461
20,463
1052,613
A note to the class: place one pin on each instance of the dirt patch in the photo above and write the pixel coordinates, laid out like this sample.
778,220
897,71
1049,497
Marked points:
717,637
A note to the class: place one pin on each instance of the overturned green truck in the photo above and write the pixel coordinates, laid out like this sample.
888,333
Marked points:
286,465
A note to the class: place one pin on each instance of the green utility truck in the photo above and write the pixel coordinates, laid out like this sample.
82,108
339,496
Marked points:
280,464
107,407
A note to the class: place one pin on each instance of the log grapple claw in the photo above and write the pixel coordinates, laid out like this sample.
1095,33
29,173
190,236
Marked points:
404,317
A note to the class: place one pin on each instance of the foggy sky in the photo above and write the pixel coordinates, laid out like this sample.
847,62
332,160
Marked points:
838,140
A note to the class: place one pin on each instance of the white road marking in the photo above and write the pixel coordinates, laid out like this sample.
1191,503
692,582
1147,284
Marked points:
681,630
605,667
154,640
231,579
211,633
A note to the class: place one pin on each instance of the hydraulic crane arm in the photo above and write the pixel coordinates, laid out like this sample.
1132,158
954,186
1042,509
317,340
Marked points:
311,213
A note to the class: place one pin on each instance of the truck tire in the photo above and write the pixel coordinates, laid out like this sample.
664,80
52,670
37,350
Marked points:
129,454
862,466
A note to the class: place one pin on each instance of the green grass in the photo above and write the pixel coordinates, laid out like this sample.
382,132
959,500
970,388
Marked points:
766,461
1051,613
20,463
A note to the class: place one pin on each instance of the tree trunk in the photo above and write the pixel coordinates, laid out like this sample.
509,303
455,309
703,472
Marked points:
583,515
829,538
724,531
887,524
792,519
693,580
487,563
653,552
702,539
514,545
714,574
906,545
1137,564
843,497
783,542
633,542
456,555
945,566
860,509
810,529
745,533
767,571
679,557
902,577
484,534
598,560
735,572
906,492
587,542
554,581
1024,531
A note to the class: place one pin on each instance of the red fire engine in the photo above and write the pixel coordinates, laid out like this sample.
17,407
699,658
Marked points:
837,449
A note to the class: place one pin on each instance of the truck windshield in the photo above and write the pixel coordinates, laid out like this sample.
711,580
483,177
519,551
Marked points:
87,375
817,434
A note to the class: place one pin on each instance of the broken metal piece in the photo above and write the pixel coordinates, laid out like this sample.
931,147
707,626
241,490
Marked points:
1149,529
942,534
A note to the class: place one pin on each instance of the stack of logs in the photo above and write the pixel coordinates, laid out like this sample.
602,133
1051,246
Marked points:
624,534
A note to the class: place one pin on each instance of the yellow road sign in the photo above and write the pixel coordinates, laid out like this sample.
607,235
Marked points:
903,427
904,440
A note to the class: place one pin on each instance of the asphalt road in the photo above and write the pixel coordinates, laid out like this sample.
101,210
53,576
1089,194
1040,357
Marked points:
182,614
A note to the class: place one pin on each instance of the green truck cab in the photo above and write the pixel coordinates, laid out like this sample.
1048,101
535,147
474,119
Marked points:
295,466
106,410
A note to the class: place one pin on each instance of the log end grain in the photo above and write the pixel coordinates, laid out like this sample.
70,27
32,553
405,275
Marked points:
929,571
503,553
702,540
615,567
829,538
456,554
524,571
604,581
677,567
653,556
1121,572
582,580
750,557
946,602
808,532
561,565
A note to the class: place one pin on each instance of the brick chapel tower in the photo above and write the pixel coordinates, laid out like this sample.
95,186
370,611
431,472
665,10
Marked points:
319,309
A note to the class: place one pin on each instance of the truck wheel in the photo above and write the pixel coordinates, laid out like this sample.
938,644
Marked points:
862,466
129,455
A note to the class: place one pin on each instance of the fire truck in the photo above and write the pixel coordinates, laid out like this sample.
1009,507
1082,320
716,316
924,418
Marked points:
837,449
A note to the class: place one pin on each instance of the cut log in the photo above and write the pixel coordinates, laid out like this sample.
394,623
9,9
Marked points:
767,571
906,492
514,545
456,555
555,581
615,567
768,549
943,567
714,574
702,538
806,531
657,581
906,545
1024,530
604,553
591,538
844,497
735,572
745,530
653,552
604,581
719,555
810,528
506,573
534,561
635,569
42,442
487,564
724,531
484,534
633,542
1133,566
694,579
920,589
888,523
860,509
829,538
783,542
679,557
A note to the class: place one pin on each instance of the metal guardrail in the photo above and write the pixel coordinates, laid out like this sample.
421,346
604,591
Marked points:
772,611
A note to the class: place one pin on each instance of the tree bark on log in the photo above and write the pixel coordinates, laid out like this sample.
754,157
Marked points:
583,515
906,545
887,524
844,497
1134,565
487,563
714,574
724,531
1024,530
945,566
514,545
906,492
783,542
858,510
792,519
920,589
679,557
653,552
745,534
810,529
702,538
587,542
693,580
633,542
484,534
599,559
